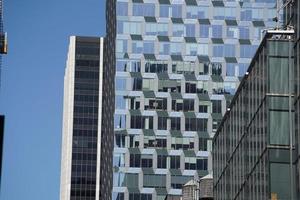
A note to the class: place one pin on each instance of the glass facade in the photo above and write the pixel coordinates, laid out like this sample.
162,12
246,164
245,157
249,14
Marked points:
292,19
178,65
252,147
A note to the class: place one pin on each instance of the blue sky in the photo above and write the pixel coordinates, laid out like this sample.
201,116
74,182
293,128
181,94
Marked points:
32,90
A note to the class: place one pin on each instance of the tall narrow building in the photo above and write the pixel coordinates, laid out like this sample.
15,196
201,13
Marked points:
87,143
83,104
178,65
88,130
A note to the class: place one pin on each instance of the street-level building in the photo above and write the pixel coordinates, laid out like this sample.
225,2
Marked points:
254,147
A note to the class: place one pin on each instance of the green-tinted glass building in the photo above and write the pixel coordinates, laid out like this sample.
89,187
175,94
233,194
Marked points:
292,20
254,147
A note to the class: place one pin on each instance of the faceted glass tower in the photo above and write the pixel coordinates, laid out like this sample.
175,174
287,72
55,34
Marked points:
178,65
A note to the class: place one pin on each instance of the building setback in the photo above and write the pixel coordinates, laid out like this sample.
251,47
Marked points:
252,147
178,66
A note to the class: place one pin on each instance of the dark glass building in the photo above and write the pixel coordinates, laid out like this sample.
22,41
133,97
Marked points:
292,20
254,144
87,143
88,130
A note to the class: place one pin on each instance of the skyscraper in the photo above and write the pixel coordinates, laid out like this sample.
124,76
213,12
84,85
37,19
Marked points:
178,66
88,131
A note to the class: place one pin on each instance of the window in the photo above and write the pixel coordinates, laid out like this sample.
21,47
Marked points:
177,105
136,84
137,47
217,31
121,65
125,27
151,29
203,108
135,66
120,121
120,83
120,102
175,162
218,50
162,161
204,31
147,161
119,158
178,30
135,160
258,14
188,105
190,30
190,163
190,124
141,122
201,164
149,47
230,13
229,50
156,104
154,180
178,181
164,48
202,49
122,8
191,49
121,46
219,13
156,67
144,9
232,32
230,69
201,124
203,144
164,11
175,123
162,123
244,32
190,87
182,143
196,12
246,15
176,48
247,51
242,69
134,141
216,106
176,10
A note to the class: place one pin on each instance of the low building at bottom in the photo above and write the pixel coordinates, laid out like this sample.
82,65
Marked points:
254,145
